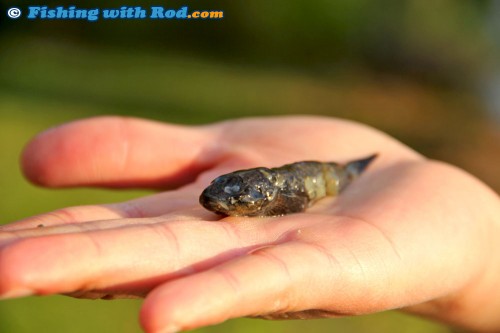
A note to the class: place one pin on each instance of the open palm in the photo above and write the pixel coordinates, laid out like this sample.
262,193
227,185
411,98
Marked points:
409,233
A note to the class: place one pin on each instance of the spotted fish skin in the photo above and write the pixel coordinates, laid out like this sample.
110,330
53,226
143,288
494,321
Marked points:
279,191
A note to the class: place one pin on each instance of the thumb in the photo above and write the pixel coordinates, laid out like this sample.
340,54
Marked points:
119,152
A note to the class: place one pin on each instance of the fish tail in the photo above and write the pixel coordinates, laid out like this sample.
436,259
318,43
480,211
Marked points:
353,169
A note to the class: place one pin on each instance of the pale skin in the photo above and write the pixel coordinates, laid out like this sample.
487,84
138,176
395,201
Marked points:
411,233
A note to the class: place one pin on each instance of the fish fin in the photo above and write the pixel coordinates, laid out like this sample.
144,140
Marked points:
286,204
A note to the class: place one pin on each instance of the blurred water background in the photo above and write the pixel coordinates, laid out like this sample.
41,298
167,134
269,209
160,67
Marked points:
424,72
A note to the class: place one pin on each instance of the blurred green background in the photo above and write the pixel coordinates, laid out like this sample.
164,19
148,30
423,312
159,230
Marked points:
425,72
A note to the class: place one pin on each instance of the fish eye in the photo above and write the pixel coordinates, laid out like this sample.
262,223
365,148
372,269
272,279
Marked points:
228,184
232,189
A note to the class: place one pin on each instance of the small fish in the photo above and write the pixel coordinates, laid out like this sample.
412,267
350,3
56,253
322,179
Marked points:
279,191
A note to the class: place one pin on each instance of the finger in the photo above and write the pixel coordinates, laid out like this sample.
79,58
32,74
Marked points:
275,281
118,152
150,206
7,235
132,258
294,281
66,216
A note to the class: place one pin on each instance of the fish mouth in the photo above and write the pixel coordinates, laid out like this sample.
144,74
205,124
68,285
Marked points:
213,204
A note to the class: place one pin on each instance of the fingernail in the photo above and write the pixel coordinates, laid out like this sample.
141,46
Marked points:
16,293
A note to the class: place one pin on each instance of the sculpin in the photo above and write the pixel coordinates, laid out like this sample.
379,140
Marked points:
279,191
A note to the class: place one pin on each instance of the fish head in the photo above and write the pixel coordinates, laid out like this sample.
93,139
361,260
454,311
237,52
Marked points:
240,193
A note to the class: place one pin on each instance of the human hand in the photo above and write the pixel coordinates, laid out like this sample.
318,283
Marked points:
410,233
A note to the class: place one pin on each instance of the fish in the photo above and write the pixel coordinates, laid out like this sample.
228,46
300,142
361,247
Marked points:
291,188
